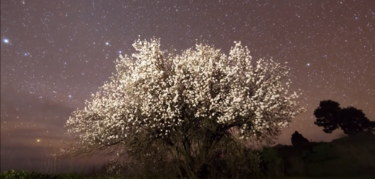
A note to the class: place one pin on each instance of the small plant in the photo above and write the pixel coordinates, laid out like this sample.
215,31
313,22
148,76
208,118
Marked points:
26,175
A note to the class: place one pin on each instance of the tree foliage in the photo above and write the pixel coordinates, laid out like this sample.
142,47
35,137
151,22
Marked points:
299,140
184,105
354,121
331,116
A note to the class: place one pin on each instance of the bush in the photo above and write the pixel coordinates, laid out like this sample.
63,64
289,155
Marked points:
272,163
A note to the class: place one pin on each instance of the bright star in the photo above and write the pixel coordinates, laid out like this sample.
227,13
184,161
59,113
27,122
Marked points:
308,64
107,43
70,96
38,140
6,41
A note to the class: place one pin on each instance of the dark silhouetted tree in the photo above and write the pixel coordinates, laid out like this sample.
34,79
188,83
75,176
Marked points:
326,115
352,121
299,140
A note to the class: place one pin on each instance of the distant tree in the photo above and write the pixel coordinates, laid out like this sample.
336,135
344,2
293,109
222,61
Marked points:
326,115
331,116
299,140
353,121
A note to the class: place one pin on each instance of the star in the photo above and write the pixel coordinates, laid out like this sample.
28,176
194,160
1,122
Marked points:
38,140
6,41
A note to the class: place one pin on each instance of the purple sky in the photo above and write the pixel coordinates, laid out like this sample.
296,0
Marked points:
54,54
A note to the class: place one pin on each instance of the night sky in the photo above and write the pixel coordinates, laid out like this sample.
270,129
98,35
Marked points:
55,54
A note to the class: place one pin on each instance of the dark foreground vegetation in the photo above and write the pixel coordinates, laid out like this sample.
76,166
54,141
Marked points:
348,157
33,175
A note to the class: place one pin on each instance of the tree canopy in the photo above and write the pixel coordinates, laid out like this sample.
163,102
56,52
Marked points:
331,116
185,104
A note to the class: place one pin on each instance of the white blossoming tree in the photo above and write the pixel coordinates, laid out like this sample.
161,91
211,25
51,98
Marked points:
185,104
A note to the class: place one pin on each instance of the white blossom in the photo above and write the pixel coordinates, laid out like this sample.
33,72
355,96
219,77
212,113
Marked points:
150,90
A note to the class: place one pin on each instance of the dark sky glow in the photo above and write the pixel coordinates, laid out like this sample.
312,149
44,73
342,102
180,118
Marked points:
54,54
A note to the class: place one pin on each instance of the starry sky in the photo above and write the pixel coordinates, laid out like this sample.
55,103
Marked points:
55,54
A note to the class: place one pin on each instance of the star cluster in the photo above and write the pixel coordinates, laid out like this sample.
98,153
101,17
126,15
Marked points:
55,54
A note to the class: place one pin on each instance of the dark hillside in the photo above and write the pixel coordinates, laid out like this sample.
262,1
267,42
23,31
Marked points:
347,156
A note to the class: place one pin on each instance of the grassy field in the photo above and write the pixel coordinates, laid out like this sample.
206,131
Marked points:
33,175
